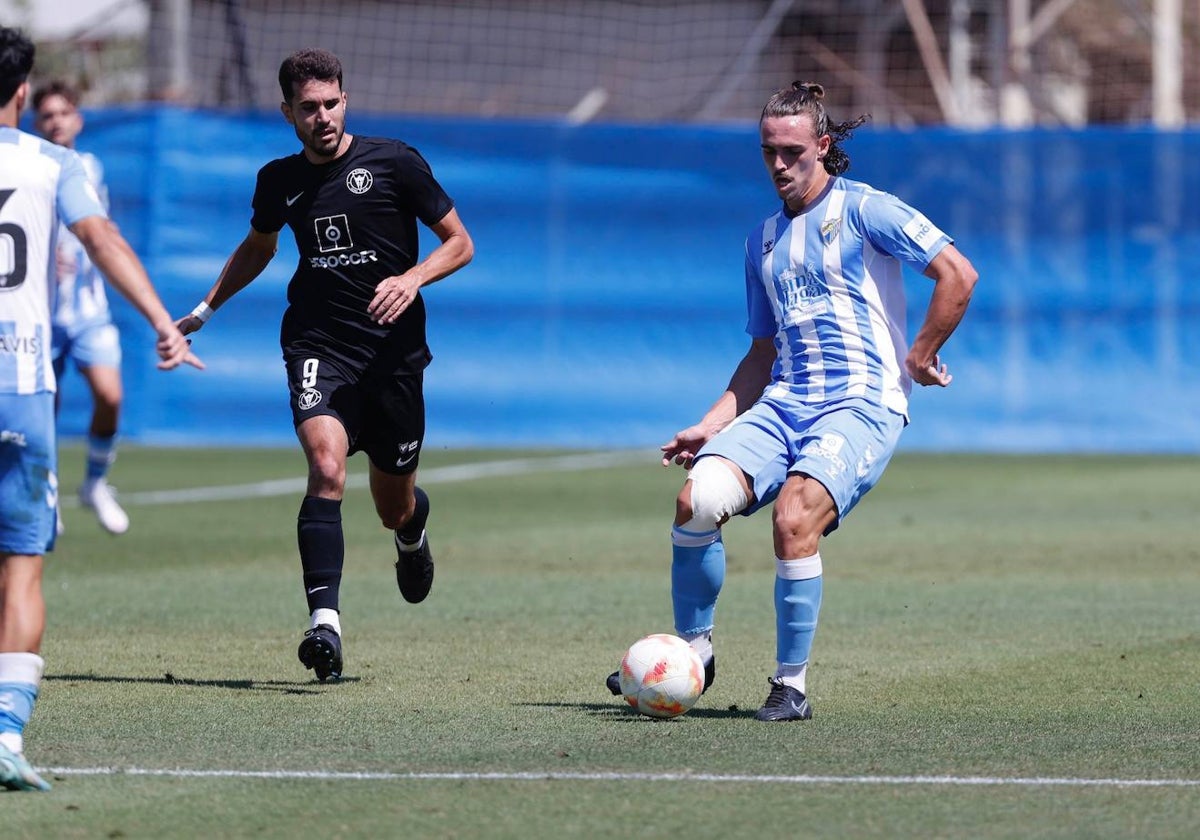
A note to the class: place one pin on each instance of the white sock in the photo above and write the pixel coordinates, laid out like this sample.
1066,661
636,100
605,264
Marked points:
701,643
12,741
793,675
324,615
23,671
410,546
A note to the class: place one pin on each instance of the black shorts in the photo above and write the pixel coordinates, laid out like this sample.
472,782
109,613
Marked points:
384,416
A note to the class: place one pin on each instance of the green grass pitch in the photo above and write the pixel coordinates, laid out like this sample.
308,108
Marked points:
1009,647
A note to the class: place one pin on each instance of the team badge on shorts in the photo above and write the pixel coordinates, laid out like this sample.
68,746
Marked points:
308,399
359,181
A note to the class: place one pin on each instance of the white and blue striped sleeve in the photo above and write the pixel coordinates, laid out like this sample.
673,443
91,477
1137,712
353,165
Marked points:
760,321
76,196
894,228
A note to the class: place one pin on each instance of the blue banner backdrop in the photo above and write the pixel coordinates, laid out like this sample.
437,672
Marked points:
605,304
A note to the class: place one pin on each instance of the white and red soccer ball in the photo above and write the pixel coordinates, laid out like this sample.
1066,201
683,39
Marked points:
661,676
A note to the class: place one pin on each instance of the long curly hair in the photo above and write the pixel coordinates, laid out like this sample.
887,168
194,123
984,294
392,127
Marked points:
807,98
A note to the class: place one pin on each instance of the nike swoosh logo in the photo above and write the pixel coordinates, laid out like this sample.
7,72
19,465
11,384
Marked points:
802,710
294,199
315,589
404,462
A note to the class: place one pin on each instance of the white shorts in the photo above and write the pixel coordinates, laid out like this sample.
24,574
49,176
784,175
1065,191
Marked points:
95,344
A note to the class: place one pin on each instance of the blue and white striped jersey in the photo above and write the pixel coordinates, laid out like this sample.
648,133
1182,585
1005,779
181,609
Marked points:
82,301
41,185
827,285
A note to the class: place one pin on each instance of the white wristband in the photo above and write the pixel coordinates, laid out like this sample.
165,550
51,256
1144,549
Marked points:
202,312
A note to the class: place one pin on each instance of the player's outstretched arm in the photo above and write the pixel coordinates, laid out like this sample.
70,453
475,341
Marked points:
954,280
395,294
752,375
246,262
110,253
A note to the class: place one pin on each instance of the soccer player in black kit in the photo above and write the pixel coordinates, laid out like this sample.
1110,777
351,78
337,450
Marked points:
353,335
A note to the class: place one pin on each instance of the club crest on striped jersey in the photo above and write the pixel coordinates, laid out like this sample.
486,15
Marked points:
359,181
830,228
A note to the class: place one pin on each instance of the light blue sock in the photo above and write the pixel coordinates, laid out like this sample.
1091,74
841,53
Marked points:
20,674
101,452
797,603
697,574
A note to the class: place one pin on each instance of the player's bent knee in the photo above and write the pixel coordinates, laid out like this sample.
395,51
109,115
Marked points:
799,525
394,513
683,504
716,495
108,401
395,518
326,477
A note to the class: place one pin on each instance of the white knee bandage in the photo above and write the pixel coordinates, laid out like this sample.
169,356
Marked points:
716,495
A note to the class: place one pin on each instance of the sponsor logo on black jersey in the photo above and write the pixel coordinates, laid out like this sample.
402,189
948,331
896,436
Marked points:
359,181
339,260
333,233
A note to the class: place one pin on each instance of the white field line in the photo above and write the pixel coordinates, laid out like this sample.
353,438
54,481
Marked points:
434,475
719,778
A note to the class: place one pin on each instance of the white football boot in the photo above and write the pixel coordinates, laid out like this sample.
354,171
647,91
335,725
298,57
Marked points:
97,495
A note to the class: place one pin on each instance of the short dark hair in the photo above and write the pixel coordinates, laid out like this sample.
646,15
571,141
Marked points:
306,66
16,60
806,98
56,87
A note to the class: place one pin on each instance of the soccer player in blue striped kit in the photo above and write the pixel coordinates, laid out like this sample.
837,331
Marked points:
84,332
41,185
813,412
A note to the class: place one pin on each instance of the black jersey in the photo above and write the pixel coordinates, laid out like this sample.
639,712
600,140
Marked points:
355,223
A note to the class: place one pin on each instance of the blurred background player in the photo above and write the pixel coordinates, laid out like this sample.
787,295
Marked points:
353,336
83,327
814,410
41,186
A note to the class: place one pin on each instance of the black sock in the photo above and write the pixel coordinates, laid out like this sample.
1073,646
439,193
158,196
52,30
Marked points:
411,532
322,550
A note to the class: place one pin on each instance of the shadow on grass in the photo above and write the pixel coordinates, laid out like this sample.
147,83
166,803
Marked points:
309,687
621,713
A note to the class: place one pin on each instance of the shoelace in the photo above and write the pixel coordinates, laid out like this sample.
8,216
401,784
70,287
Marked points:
776,698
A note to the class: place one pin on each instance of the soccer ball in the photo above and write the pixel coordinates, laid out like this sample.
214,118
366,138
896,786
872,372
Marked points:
661,676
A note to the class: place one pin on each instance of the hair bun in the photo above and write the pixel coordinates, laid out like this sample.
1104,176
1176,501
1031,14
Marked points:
813,89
